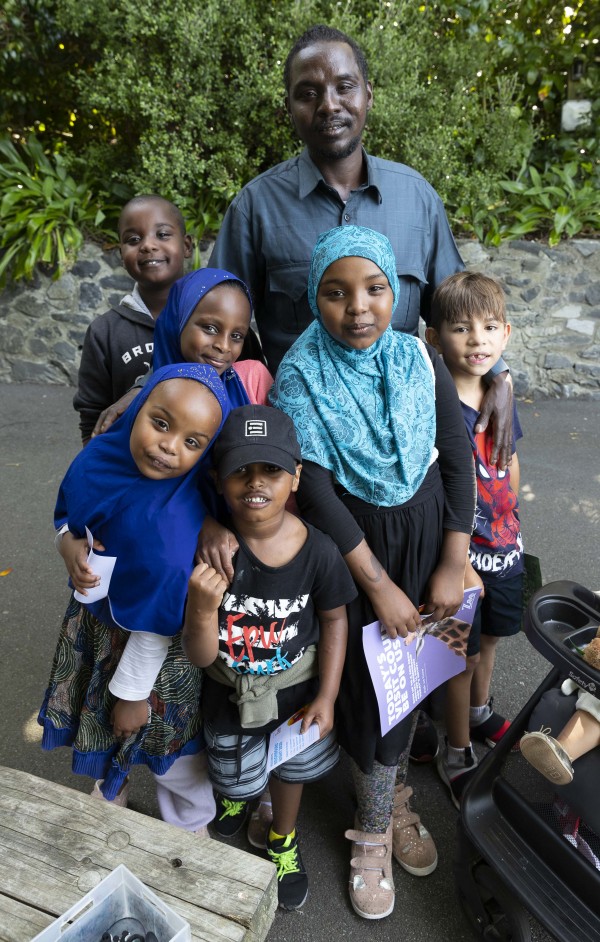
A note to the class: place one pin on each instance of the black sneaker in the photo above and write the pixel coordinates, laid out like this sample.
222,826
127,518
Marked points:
292,881
456,779
231,816
425,745
493,727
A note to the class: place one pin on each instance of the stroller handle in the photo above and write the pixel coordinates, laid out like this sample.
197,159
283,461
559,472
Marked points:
561,618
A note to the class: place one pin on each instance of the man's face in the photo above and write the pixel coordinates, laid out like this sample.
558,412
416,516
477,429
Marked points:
328,100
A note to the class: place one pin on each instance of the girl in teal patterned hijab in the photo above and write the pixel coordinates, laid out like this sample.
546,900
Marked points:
363,400
362,395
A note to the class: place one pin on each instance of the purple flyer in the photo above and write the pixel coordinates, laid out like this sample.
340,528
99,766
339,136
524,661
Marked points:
405,670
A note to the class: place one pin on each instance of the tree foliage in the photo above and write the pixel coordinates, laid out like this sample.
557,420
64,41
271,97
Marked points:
186,99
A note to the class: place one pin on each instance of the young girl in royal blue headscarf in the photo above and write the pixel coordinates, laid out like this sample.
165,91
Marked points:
121,691
388,474
207,320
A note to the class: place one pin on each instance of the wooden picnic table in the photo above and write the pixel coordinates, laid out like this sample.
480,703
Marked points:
56,844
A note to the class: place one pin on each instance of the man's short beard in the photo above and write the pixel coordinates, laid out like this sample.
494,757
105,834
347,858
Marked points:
347,151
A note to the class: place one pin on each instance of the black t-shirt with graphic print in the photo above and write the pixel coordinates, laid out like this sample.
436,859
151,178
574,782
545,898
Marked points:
268,618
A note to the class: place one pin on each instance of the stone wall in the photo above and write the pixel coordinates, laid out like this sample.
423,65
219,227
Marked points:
553,304
553,300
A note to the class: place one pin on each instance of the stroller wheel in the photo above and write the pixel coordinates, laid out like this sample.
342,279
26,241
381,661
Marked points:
498,917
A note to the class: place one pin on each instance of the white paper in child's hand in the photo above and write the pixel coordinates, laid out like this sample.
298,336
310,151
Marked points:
103,567
287,741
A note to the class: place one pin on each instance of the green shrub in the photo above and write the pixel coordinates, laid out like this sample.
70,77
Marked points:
439,109
44,213
560,201
187,100
193,101
191,92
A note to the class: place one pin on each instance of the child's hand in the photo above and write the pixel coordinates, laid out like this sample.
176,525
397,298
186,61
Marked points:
473,580
444,594
110,415
200,635
206,588
216,547
128,717
74,552
320,711
395,611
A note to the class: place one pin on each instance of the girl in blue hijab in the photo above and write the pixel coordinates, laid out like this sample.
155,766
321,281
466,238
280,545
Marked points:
207,320
387,472
121,691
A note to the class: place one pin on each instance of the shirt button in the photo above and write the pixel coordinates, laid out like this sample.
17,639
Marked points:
347,217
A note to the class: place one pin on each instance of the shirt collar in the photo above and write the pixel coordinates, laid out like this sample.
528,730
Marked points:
135,302
310,176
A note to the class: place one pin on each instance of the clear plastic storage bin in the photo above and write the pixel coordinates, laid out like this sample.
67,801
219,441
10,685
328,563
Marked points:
119,896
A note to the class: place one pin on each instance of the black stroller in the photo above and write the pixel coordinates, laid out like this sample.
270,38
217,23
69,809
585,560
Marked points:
525,844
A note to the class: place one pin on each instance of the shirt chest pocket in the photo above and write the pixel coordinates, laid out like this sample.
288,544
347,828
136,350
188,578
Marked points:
288,298
406,315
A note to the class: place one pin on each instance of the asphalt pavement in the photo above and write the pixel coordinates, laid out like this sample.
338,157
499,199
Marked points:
560,512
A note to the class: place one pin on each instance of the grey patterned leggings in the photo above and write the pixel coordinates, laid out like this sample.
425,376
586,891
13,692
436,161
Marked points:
375,792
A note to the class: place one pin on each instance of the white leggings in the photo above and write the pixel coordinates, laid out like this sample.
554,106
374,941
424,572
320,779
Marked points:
185,794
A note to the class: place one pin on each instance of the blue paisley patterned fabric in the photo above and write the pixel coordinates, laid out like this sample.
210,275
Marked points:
368,416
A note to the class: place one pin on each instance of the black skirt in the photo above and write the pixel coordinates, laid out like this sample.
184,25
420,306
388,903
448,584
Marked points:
407,541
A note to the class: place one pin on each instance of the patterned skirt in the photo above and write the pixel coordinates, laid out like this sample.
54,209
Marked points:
78,704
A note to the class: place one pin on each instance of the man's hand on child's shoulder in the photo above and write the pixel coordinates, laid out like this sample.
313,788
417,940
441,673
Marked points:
497,407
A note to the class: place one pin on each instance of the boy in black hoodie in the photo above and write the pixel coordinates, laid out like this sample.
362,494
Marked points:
117,348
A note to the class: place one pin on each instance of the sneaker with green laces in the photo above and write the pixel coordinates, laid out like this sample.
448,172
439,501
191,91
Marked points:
231,816
292,881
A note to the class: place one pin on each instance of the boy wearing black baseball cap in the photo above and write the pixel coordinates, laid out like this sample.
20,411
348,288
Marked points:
274,640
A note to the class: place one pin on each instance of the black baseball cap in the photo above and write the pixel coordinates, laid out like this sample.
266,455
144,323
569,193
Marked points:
256,434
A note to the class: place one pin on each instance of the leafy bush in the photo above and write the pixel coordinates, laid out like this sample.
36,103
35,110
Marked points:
44,212
193,106
191,94
187,100
560,201
439,109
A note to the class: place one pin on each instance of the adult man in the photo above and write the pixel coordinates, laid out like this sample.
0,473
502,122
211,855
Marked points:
271,227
